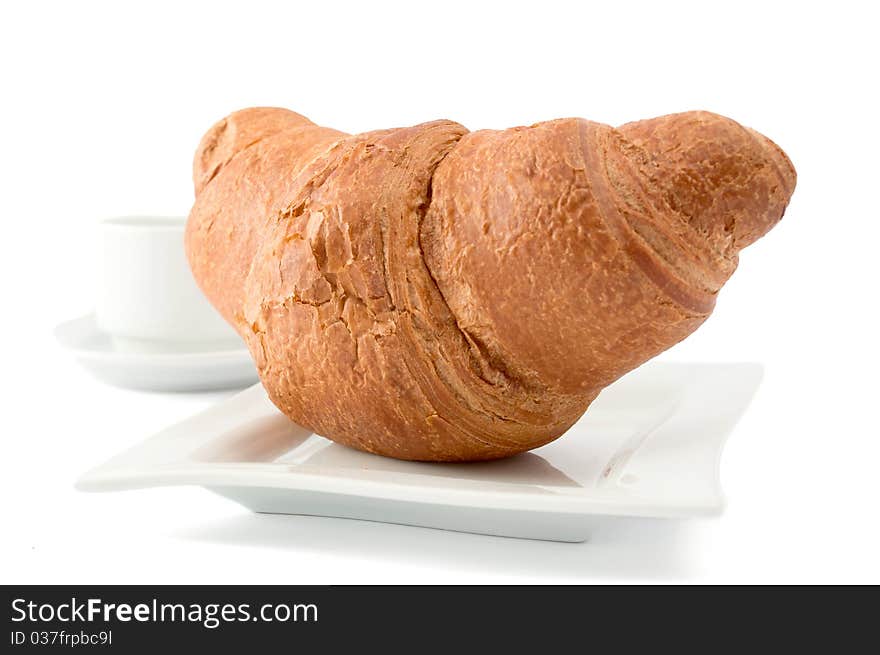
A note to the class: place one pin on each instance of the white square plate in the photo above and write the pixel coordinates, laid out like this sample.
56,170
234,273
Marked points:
649,446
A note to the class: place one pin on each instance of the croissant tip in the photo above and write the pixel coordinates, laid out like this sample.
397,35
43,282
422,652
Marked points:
237,131
782,163
781,181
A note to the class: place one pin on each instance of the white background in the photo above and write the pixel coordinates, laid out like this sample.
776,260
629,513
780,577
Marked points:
102,107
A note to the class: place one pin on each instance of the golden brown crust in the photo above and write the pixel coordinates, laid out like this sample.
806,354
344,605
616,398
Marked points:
251,176
433,294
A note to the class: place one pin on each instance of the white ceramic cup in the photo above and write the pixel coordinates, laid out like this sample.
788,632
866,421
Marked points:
147,297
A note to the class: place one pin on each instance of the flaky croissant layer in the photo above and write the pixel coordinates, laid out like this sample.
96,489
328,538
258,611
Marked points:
430,293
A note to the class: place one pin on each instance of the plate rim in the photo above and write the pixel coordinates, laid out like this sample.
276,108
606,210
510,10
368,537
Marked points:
114,475
232,354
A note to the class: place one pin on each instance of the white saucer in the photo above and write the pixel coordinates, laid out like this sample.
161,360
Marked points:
648,447
174,369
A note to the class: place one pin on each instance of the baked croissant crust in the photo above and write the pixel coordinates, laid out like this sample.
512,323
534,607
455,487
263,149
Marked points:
430,293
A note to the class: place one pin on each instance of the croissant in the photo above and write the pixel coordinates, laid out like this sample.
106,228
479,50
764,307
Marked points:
429,293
